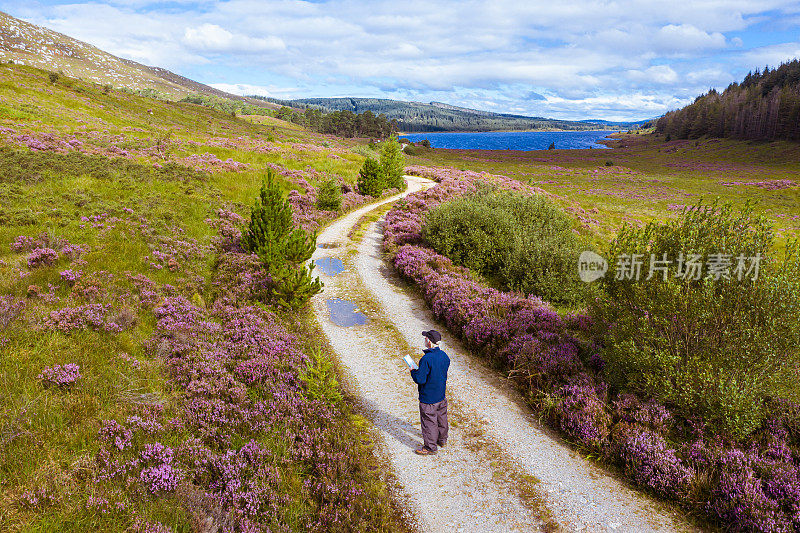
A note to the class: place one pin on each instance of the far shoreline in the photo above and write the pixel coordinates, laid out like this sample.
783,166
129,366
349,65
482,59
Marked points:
400,133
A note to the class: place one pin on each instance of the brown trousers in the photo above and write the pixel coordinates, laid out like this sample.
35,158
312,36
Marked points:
434,423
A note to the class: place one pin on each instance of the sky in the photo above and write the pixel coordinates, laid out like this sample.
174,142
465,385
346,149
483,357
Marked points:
570,60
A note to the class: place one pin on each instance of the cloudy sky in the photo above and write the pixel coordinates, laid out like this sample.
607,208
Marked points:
588,59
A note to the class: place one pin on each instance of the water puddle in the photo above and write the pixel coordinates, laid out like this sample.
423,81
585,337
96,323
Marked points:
327,245
330,265
343,313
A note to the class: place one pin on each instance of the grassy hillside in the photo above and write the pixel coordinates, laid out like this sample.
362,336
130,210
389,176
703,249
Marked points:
144,386
436,116
28,44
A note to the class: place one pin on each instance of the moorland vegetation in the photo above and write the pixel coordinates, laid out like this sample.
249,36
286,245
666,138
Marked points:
685,385
153,379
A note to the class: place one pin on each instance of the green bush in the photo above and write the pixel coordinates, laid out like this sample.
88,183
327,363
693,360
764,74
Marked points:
282,248
519,243
329,195
392,164
714,347
371,180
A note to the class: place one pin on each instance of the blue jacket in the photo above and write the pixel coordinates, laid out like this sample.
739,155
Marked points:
431,377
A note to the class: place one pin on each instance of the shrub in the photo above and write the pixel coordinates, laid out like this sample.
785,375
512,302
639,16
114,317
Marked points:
582,414
42,257
392,164
53,77
713,347
329,195
371,180
282,248
609,163
10,309
552,146
60,376
650,461
521,243
739,497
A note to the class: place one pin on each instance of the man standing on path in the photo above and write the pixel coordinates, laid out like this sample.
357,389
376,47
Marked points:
431,379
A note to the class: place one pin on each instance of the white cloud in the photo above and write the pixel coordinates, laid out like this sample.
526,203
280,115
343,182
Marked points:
686,38
588,54
213,38
245,89
661,74
772,55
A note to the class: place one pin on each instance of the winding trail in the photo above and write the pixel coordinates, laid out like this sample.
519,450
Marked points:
501,469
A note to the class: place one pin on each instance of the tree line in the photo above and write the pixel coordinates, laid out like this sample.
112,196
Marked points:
342,123
764,106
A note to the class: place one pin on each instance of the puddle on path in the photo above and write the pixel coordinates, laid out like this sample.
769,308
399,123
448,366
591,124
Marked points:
343,313
327,245
330,265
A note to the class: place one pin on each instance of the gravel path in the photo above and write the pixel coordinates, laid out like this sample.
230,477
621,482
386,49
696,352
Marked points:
501,470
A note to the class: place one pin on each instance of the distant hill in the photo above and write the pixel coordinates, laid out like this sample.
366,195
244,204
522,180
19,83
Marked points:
437,116
40,47
764,106
618,124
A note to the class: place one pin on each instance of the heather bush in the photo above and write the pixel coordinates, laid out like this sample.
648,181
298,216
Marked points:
714,347
519,242
329,195
581,413
740,497
60,376
10,309
42,257
650,461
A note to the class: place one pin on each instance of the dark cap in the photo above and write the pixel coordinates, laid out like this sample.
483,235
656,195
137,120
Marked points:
433,335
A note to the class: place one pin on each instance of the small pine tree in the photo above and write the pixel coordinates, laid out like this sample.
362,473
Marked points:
329,195
552,146
320,378
295,285
392,163
282,248
371,181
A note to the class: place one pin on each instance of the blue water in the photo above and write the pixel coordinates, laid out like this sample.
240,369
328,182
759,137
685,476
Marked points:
344,313
330,265
513,140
